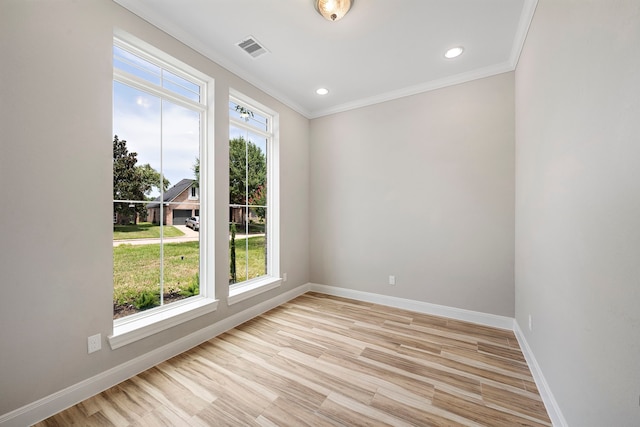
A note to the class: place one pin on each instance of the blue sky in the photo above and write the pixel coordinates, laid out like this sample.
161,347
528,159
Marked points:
170,144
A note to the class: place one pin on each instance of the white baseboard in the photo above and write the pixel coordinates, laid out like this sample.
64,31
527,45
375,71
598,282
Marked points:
545,392
486,319
56,402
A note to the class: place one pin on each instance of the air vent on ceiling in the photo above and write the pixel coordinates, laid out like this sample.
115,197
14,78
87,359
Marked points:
252,47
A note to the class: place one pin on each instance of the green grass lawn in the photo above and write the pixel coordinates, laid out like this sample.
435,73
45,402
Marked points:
143,230
256,258
137,267
254,228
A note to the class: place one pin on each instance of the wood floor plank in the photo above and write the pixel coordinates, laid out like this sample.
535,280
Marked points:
477,411
467,369
421,415
284,412
530,405
320,360
498,364
353,413
500,351
435,375
387,379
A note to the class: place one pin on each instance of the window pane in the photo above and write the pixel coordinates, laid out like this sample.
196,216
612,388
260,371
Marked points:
134,64
236,111
136,120
126,61
136,266
259,122
179,85
256,170
180,147
181,266
256,243
251,117
236,260
237,168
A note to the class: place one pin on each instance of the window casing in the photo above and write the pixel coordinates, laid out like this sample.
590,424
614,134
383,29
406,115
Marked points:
171,132
253,198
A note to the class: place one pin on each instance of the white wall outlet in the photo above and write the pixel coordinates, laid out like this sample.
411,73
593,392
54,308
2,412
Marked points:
530,323
284,277
94,343
392,280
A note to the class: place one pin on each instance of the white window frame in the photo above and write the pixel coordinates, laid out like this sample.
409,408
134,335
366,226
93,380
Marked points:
242,291
141,325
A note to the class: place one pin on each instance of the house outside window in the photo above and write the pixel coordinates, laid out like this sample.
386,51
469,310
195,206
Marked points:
161,116
253,198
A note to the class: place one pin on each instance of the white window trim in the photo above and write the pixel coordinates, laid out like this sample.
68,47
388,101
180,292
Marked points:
242,291
251,288
141,325
149,322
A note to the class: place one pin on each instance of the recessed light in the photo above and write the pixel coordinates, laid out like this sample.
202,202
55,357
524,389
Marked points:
454,52
322,91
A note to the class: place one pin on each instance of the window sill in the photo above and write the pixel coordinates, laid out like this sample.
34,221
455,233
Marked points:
138,326
253,288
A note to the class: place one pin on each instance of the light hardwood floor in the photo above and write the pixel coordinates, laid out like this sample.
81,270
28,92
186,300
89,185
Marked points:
320,360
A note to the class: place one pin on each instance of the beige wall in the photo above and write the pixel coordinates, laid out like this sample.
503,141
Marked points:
578,205
55,116
421,188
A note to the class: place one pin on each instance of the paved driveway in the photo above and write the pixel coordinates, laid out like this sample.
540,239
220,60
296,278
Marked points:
189,236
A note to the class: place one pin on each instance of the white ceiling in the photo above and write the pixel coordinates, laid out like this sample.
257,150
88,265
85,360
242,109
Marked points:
379,51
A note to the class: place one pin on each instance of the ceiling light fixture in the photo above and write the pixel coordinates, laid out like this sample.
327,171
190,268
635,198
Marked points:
322,91
333,10
454,52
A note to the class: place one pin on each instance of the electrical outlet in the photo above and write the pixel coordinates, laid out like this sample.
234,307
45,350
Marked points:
94,343
530,323
284,277
392,280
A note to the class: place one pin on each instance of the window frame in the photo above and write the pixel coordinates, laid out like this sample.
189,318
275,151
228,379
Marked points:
140,325
249,288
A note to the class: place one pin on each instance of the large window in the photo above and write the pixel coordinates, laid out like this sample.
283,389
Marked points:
253,189
160,230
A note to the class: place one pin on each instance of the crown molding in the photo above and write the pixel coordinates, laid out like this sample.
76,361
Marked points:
418,89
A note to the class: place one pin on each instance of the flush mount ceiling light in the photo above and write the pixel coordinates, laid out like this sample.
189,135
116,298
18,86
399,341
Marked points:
454,52
322,91
333,10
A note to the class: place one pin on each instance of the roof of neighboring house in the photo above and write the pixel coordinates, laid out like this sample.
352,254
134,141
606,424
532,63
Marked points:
172,192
